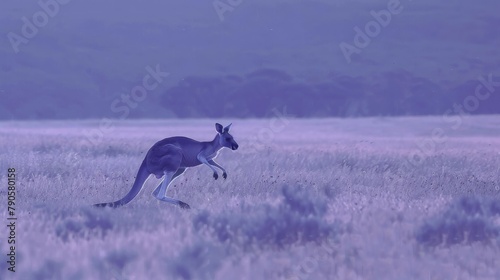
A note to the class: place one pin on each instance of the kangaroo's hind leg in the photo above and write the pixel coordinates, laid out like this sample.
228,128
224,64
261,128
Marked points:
177,173
161,192
165,160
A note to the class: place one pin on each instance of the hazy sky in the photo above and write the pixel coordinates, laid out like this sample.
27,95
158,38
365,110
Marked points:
98,48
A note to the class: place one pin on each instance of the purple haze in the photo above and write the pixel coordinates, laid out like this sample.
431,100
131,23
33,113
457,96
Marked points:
343,58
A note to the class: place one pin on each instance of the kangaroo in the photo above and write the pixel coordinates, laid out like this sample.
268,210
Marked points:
170,157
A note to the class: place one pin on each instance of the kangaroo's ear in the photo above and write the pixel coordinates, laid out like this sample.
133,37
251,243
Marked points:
218,127
226,129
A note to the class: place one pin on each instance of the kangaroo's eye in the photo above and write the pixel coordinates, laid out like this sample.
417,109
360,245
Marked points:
228,139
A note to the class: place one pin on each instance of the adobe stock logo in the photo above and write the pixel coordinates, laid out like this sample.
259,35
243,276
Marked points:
363,38
125,104
39,19
222,7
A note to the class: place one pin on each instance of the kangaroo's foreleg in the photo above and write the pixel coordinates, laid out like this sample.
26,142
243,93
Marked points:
213,163
203,160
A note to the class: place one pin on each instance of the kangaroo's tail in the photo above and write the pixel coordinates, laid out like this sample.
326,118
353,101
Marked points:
140,179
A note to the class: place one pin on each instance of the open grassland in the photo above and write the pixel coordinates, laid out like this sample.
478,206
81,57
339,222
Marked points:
374,198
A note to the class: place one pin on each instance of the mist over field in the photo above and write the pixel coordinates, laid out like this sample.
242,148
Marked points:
372,198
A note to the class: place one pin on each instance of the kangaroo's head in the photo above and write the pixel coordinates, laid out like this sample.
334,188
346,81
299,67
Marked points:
226,139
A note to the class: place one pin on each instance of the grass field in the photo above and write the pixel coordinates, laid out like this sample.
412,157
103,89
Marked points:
374,198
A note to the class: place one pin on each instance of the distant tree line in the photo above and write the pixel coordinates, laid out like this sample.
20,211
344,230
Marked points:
388,94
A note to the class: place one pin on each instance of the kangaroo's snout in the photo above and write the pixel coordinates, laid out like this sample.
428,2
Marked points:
234,147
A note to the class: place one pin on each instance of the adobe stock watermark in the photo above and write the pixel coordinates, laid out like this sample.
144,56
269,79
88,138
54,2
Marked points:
454,119
363,37
265,135
223,6
39,19
125,104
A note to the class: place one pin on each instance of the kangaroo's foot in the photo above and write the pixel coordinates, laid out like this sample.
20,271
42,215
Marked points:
184,205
